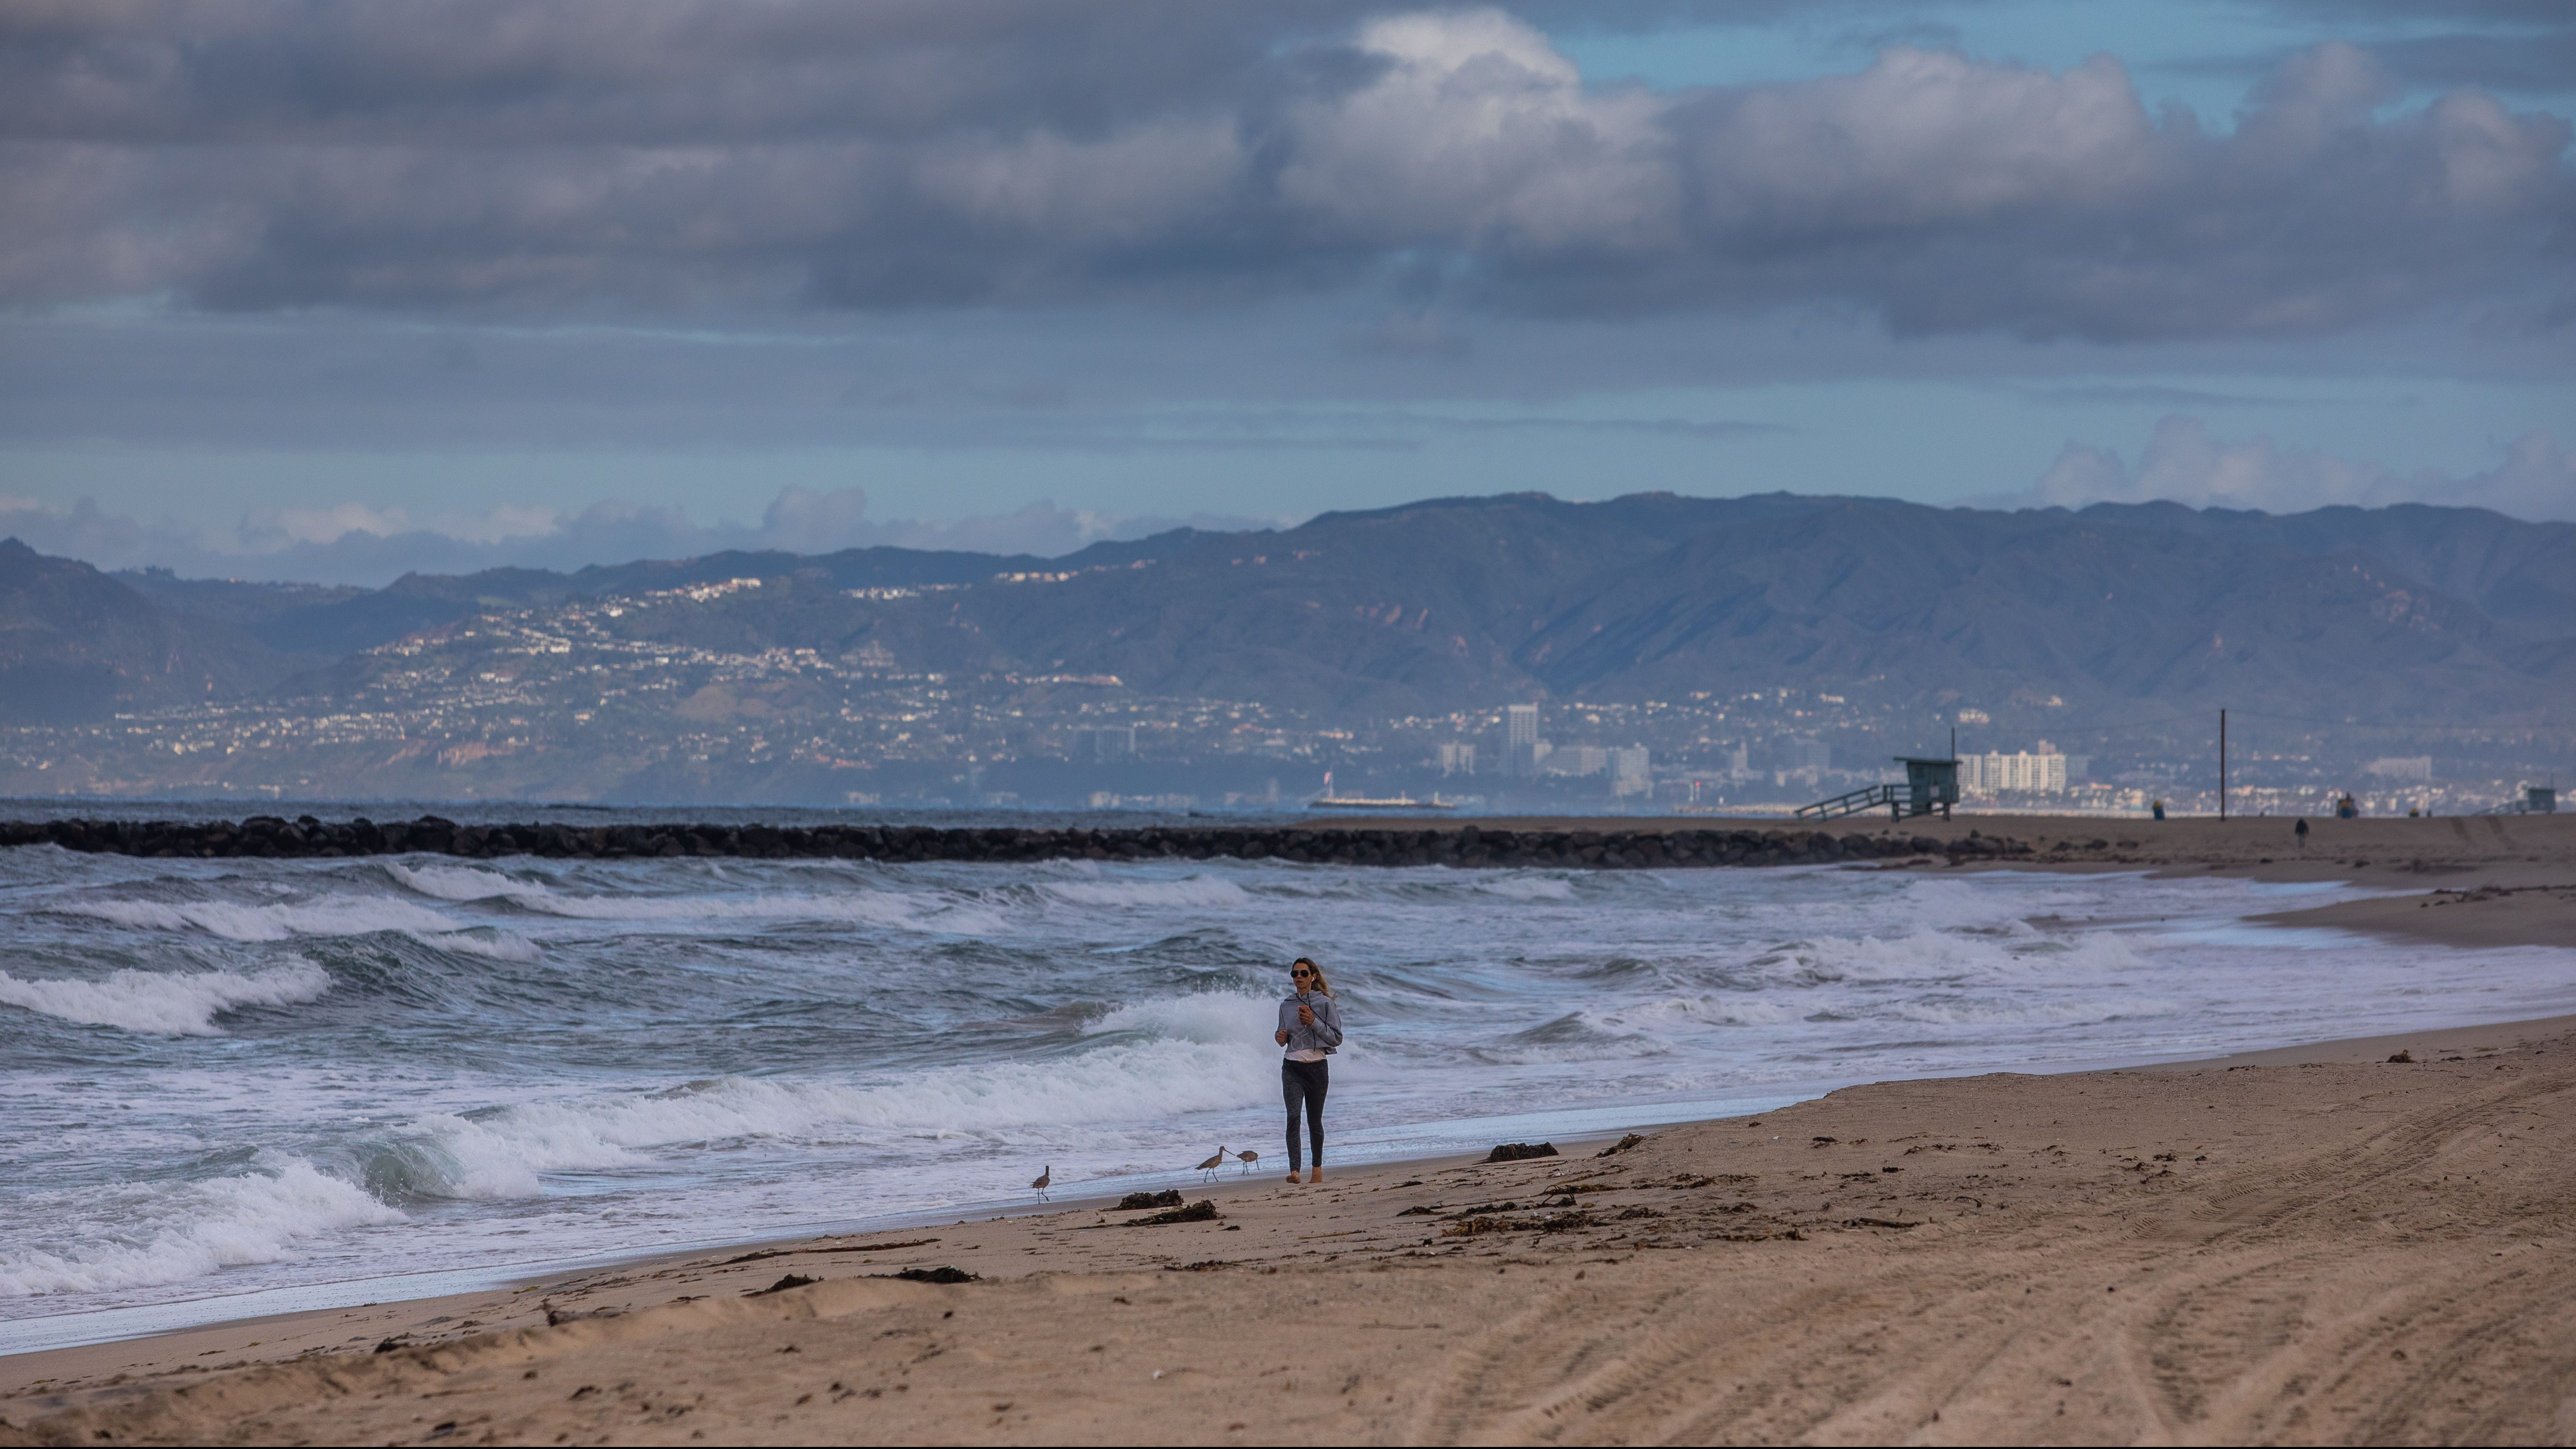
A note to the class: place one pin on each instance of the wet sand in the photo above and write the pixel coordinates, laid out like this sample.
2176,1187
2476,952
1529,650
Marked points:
2315,1244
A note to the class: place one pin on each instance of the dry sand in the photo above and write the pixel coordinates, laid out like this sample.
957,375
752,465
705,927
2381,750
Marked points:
2311,1245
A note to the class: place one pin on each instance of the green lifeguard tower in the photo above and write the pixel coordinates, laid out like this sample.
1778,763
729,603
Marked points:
1931,786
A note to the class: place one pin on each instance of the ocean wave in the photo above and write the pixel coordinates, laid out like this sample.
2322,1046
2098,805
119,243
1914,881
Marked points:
493,945
1528,887
171,1003
1213,1017
1196,890
332,915
139,1236
460,883
898,909
502,1154
1696,1011
2013,953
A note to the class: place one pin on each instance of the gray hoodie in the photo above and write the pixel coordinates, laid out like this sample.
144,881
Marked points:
1324,1035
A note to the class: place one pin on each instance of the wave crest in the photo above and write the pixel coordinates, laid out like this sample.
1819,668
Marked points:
172,1003
167,1234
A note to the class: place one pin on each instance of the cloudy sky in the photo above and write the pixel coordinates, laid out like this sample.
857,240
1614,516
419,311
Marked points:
333,288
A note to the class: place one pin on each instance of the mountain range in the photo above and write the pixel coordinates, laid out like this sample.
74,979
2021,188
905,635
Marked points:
2414,613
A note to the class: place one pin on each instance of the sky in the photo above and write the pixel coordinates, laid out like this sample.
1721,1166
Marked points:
329,290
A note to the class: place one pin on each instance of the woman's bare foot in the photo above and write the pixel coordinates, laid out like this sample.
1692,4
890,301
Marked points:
1315,1176
1292,1177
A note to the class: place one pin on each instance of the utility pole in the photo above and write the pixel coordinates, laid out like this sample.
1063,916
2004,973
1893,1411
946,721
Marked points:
2222,764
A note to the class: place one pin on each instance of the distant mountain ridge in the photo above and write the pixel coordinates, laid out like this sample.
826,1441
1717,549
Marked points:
2412,613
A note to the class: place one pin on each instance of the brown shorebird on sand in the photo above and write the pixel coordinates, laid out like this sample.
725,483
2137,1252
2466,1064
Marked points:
1247,1159
1212,1164
1040,1181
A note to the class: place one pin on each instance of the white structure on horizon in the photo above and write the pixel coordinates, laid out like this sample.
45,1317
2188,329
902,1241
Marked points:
1458,759
1628,771
1104,745
1806,754
1522,748
1576,760
2404,769
2024,773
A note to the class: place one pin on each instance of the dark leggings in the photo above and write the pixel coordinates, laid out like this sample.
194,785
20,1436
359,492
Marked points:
1305,1082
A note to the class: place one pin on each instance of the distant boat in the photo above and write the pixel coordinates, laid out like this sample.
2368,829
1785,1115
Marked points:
1330,801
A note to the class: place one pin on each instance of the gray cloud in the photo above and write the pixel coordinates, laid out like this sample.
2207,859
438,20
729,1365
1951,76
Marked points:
359,544
678,158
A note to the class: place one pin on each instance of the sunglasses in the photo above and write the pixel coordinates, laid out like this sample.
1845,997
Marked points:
1301,971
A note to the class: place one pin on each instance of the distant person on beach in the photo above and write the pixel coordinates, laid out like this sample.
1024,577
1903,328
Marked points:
2303,832
2160,810
1310,1027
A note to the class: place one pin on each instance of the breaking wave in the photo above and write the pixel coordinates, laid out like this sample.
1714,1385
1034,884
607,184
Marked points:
172,1003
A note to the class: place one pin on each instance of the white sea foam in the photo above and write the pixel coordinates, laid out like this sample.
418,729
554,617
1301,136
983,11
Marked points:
1196,890
497,946
894,909
464,884
172,1003
1528,887
141,1235
457,882
1214,1017
332,915
1196,1055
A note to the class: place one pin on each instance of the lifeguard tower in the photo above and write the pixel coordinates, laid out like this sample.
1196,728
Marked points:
1930,786
2536,800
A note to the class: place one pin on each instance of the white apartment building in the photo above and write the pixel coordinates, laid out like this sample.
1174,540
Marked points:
1523,750
1576,760
2023,773
1458,759
1628,771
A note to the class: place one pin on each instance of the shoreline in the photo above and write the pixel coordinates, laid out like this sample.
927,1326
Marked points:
915,1240
2311,1243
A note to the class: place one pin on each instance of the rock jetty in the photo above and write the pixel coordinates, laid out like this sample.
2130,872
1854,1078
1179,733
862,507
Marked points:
1462,845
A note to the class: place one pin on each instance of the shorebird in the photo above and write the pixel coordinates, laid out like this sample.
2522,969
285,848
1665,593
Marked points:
1247,1159
1039,1183
1212,1164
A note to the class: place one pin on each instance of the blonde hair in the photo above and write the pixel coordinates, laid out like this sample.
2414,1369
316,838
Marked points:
1318,978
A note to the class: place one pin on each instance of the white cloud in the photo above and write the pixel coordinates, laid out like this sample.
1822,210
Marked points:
2183,464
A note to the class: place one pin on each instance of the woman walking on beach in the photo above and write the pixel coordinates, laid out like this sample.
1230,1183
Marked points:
1310,1027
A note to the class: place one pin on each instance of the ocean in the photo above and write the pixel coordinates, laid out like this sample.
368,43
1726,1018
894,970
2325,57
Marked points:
240,1086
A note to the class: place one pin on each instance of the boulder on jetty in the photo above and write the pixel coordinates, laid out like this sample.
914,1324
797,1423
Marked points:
1457,846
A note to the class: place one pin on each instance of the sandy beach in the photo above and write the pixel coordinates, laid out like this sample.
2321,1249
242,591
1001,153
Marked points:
2306,1244
2316,1244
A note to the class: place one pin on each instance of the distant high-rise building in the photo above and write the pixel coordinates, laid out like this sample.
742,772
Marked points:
1522,748
2024,773
1458,759
1104,745
1806,754
1576,760
1629,774
2405,769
